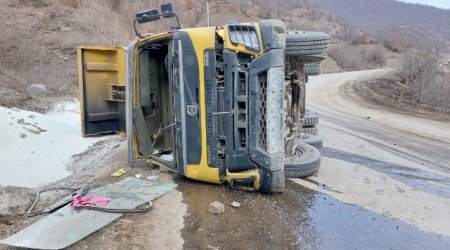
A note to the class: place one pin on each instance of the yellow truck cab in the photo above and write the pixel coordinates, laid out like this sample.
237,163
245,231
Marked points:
207,103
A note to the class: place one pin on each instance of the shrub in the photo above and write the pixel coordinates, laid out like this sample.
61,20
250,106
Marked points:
346,56
424,82
399,40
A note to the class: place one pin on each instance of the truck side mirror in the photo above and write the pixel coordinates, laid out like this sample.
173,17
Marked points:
147,16
167,10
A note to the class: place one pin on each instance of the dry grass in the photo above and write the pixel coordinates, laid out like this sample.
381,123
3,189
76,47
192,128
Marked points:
40,37
351,57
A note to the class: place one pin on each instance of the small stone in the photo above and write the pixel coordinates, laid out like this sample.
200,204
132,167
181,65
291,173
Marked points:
138,176
235,204
216,208
22,135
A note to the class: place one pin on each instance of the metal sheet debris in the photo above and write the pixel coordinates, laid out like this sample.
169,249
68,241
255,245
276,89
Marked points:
119,172
67,226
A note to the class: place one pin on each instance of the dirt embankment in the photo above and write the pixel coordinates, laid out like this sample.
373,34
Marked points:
386,92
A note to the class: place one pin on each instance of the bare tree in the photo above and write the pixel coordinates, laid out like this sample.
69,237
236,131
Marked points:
399,40
419,73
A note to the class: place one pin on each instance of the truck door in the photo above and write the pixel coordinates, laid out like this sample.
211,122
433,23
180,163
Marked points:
102,78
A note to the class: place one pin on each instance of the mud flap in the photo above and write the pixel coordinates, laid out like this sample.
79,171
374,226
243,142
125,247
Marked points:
272,182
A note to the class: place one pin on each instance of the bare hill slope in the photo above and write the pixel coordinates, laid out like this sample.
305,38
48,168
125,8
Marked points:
39,37
380,16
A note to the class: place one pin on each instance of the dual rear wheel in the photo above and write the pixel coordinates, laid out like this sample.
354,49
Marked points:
308,49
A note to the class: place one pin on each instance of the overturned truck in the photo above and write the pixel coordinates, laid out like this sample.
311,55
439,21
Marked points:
214,104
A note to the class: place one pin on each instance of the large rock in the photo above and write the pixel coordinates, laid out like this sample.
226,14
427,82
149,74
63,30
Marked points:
37,90
216,208
15,200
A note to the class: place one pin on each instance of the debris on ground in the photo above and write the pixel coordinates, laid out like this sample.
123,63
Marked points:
236,204
138,176
72,227
119,172
216,208
152,178
155,171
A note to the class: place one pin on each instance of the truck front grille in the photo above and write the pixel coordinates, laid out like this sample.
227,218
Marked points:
263,111
209,115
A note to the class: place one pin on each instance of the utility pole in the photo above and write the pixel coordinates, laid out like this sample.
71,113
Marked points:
238,7
207,13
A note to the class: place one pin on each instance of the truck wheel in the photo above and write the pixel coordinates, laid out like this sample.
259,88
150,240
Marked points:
310,46
311,119
304,163
312,140
310,130
316,58
312,69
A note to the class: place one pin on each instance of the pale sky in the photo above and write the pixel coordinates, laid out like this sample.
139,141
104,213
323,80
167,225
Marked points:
445,4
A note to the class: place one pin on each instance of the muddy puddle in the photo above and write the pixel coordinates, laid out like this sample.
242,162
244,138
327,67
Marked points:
300,218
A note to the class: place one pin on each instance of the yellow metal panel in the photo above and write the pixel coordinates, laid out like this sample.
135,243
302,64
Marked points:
244,175
98,70
102,66
202,38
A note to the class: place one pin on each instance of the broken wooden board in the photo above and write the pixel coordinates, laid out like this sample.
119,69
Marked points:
67,226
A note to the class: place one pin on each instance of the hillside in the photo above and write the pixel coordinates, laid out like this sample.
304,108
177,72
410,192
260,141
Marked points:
382,16
40,37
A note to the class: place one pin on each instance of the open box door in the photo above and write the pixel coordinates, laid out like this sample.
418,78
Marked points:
102,79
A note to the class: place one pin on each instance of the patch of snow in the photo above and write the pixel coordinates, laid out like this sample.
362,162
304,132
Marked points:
35,148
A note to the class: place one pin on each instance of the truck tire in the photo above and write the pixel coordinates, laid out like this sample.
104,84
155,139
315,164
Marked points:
312,69
311,119
312,140
310,130
304,44
304,163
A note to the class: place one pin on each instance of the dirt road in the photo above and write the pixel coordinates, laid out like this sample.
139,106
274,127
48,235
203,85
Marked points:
388,163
